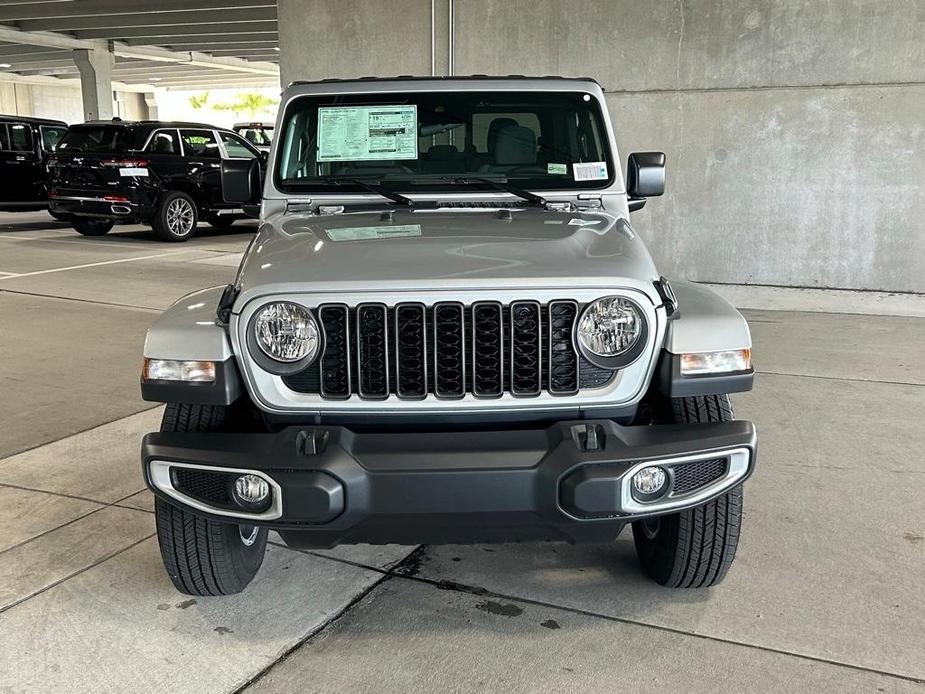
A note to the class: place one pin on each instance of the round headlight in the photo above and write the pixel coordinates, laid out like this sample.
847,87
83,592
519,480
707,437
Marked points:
286,332
610,327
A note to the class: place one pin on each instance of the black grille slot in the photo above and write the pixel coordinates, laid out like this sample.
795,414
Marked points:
449,351
487,349
410,351
689,477
372,350
335,363
563,359
209,487
526,357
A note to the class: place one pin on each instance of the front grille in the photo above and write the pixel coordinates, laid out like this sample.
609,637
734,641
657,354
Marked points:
689,477
448,350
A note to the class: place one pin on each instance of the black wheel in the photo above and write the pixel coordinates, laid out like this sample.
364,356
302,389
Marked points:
222,221
693,548
92,227
176,217
201,556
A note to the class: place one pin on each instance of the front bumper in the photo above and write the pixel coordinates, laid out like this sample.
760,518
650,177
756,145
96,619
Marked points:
331,485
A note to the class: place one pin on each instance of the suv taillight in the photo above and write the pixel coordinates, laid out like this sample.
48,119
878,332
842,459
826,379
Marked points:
126,163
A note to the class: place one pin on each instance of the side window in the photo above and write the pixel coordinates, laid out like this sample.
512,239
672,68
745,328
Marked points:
200,144
20,137
164,142
51,136
236,148
4,137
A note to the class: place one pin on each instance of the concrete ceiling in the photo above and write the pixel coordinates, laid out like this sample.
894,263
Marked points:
178,44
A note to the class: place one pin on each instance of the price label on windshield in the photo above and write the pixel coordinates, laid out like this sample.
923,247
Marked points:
364,133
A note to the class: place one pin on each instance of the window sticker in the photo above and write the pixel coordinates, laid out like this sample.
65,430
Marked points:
364,133
561,169
590,171
367,233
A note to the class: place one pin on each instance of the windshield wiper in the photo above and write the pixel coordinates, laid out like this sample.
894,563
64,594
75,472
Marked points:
371,186
499,183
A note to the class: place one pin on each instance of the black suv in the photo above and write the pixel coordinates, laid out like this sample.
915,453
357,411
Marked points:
25,145
167,175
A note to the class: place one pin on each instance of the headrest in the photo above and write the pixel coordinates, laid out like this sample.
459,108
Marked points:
494,127
516,146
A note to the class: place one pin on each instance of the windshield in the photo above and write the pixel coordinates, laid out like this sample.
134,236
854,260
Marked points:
438,140
94,138
255,134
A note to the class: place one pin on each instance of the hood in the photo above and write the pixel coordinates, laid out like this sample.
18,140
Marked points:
444,249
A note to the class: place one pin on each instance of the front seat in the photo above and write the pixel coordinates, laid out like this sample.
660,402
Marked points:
515,147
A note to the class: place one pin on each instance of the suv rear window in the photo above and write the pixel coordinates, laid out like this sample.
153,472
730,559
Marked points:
20,137
94,138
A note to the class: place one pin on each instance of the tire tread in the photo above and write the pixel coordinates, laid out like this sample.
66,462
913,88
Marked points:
199,554
695,548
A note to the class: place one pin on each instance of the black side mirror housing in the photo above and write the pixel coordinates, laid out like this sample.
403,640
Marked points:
645,177
241,184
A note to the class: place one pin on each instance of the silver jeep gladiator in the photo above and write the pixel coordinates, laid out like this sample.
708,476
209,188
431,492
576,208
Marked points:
446,330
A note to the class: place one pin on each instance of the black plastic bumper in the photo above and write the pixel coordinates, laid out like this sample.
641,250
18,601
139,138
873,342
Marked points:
336,486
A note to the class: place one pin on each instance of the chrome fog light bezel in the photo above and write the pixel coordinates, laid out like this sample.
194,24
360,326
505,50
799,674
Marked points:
161,479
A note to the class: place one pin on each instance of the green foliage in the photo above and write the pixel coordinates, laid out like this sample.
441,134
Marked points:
248,103
199,101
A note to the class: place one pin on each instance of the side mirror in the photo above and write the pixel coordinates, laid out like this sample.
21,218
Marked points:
241,183
645,177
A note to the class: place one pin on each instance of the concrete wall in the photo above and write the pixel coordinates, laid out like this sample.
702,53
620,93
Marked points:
62,102
794,129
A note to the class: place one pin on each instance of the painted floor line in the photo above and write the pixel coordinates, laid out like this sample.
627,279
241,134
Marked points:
102,262
40,295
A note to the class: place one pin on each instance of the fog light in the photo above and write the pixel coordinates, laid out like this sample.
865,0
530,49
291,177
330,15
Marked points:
252,492
649,482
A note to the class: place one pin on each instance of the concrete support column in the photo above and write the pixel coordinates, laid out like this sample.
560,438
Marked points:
151,103
95,66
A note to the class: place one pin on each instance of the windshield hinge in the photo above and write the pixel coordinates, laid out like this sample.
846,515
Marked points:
564,206
295,207
591,199
330,209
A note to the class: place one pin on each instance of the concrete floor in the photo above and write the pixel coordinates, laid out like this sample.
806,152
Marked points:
825,595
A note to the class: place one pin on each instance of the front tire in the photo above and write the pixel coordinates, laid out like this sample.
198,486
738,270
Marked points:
176,217
203,556
696,547
92,227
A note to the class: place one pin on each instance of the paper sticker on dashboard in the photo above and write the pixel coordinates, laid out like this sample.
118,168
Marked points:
133,171
590,171
366,133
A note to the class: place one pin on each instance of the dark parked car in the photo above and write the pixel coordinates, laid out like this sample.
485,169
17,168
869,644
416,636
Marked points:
25,145
166,175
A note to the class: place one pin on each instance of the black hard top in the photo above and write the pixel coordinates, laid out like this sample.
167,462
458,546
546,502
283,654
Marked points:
30,119
445,78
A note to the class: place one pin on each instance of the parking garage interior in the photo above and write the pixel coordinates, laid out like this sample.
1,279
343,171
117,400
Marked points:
795,148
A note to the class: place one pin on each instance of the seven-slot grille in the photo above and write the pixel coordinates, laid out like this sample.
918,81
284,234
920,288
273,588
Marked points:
448,350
